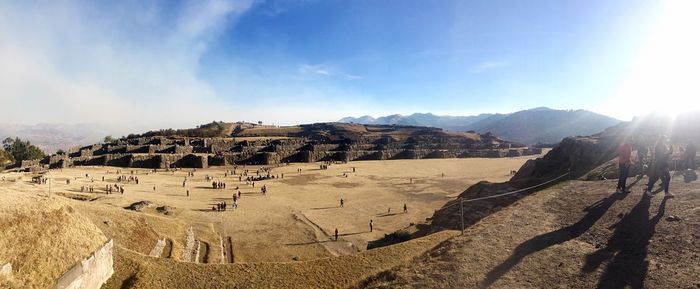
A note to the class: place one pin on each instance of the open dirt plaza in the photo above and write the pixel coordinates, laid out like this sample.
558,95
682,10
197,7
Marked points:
295,220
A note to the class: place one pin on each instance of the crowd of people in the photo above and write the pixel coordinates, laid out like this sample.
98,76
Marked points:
656,166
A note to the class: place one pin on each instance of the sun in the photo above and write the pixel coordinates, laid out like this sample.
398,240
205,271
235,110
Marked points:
666,75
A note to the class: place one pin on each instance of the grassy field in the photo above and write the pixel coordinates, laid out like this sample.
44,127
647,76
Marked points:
294,221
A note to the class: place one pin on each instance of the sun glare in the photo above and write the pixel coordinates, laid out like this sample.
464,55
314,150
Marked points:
665,77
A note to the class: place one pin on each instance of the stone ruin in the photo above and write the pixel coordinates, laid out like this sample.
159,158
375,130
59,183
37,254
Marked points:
306,144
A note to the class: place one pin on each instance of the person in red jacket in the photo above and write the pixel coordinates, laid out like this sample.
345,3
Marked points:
624,162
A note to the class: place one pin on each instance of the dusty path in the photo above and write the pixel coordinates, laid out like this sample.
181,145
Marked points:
576,233
336,248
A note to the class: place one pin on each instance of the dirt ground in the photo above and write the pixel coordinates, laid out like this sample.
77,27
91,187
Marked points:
574,235
294,221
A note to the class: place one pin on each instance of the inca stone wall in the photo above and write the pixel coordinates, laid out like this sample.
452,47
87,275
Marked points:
91,272
191,152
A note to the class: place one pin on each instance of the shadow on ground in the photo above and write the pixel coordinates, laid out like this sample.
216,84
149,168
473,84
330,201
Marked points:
627,248
541,242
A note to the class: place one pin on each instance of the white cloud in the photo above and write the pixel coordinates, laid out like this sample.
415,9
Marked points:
326,70
489,65
134,63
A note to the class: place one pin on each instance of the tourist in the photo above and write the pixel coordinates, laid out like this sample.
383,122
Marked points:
660,169
624,162
370,226
642,150
336,234
405,209
342,202
689,156
188,193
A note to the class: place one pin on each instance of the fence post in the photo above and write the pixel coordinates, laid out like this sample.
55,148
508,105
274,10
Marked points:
461,212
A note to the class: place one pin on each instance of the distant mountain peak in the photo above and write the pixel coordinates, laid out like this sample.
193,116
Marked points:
535,125
541,108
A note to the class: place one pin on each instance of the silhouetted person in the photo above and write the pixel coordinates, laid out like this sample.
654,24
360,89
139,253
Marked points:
660,170
405,209
642,151
624,162
370,226
689,157
336,234
342,202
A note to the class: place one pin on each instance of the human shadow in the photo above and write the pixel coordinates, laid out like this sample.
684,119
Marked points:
308,243
350,234
627,248
593,213
389,214
325,208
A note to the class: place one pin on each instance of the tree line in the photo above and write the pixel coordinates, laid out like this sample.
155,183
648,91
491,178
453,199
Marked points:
213,129
16,150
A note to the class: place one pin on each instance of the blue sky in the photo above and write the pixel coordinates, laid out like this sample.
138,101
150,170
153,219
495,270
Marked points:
150,64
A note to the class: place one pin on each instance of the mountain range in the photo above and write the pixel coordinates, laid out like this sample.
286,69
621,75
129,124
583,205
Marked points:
532,126
52,137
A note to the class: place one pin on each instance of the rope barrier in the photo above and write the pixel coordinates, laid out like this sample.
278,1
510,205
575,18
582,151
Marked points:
508,193
462,200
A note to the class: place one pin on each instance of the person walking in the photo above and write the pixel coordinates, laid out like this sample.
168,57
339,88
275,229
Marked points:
642,150
624,162
370,226
660,169
405,209
342,202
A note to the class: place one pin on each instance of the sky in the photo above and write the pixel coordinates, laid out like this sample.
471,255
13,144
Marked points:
157,64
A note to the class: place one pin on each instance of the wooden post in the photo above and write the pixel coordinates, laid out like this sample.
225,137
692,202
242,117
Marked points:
461,212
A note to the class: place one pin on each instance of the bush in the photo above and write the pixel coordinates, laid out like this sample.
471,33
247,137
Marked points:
5,159
21,150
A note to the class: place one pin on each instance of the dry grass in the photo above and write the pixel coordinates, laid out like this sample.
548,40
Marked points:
335,272
42,237
271,228
574,235
294,221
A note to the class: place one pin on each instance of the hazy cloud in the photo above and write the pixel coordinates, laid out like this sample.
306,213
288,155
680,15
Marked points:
489,65
326,70
135,62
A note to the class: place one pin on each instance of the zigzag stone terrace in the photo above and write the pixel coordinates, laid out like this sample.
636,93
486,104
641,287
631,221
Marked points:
269,145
